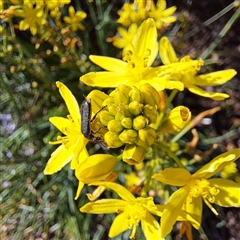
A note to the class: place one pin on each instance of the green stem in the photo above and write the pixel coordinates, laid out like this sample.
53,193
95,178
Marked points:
171,154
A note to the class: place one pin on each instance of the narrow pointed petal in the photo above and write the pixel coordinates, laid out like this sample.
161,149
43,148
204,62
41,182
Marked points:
109,64
172,210
106,79
119,225
194,209
80,152
166,51
104,206
79,190
150,227
146,41
59,158
60,123
229,195
173,176
213,95
215,78
97,98
70,101
217,164
120,190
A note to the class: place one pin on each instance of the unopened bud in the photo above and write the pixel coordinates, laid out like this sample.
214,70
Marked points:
135,95
105,117
128,136
139,122
150,94
150,113
147,137
115,126
135,108
133,154
112,139
127,122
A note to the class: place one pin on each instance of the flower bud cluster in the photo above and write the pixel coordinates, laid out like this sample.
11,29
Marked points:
129,116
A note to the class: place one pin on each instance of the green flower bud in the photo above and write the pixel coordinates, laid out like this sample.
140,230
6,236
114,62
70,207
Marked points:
119,116
147,137
128,136
133,154
127,122
105,117
124,88
139,122
115,126
135,108
108,101
150,113
176,120
112,140
150,94
135,95
121,97
112,109
92,170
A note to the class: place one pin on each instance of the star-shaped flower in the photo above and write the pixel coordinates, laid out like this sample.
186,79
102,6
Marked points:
73,144
198,187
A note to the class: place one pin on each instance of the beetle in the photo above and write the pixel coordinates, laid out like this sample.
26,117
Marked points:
86,112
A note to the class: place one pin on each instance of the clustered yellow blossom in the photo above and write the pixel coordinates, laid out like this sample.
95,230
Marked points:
34,14
139,11
135,119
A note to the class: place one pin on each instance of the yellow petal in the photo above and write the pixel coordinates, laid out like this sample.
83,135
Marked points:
79,190
109,63
172,210
213,95
106,79
150,227
229,195
146,41
97,97
59,158
61,123
176,120
119,225
92,170
120,190
217,164
103,206
194,209
173,176
80,152
166,51
215,78
70,101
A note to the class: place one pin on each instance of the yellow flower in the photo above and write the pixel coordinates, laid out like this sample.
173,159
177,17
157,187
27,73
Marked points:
198,187
94,168
160,14
56,3
34,17
136,61
73,144
131,211
141,10
190,79
132,13
125,37
176,120
75,18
